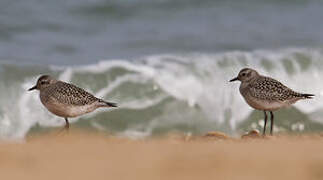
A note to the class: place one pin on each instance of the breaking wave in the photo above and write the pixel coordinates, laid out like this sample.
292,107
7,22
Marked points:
159,94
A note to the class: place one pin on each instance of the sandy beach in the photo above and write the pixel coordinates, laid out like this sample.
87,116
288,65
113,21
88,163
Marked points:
83,155
180,72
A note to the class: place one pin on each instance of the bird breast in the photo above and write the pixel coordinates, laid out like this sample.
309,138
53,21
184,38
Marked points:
65,110
261,104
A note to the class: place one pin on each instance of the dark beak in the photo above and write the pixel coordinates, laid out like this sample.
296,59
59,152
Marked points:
234,79
33,88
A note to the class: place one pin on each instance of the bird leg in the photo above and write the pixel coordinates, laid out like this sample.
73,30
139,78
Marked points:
65,128
67,125
272,122
264,132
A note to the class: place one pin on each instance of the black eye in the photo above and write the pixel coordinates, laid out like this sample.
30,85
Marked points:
43,82
243,74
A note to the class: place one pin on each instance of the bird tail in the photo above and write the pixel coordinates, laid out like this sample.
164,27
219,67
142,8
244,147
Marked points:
307,96
107,104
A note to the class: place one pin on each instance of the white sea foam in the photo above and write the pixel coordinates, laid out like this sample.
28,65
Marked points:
198,80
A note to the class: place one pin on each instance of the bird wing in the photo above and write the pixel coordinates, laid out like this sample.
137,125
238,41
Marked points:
267,88
71,94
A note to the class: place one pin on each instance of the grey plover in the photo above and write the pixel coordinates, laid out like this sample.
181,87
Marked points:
266,94
67,100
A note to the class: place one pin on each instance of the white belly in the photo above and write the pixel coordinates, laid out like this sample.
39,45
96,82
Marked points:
66,111
265,104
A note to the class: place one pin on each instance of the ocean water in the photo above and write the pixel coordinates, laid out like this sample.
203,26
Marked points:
168,93
166,62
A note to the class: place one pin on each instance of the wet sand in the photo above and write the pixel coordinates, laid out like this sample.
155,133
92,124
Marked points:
81,155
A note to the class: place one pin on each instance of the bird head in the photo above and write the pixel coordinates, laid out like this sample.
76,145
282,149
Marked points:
43,82
245,75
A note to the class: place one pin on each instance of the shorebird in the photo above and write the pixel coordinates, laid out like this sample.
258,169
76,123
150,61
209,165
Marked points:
266,94
67,100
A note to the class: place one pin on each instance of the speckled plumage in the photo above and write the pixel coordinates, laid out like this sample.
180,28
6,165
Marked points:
66,93
265,93
266,88
67,100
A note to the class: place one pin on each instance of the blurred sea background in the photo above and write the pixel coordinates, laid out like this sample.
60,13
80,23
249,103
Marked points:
166,62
